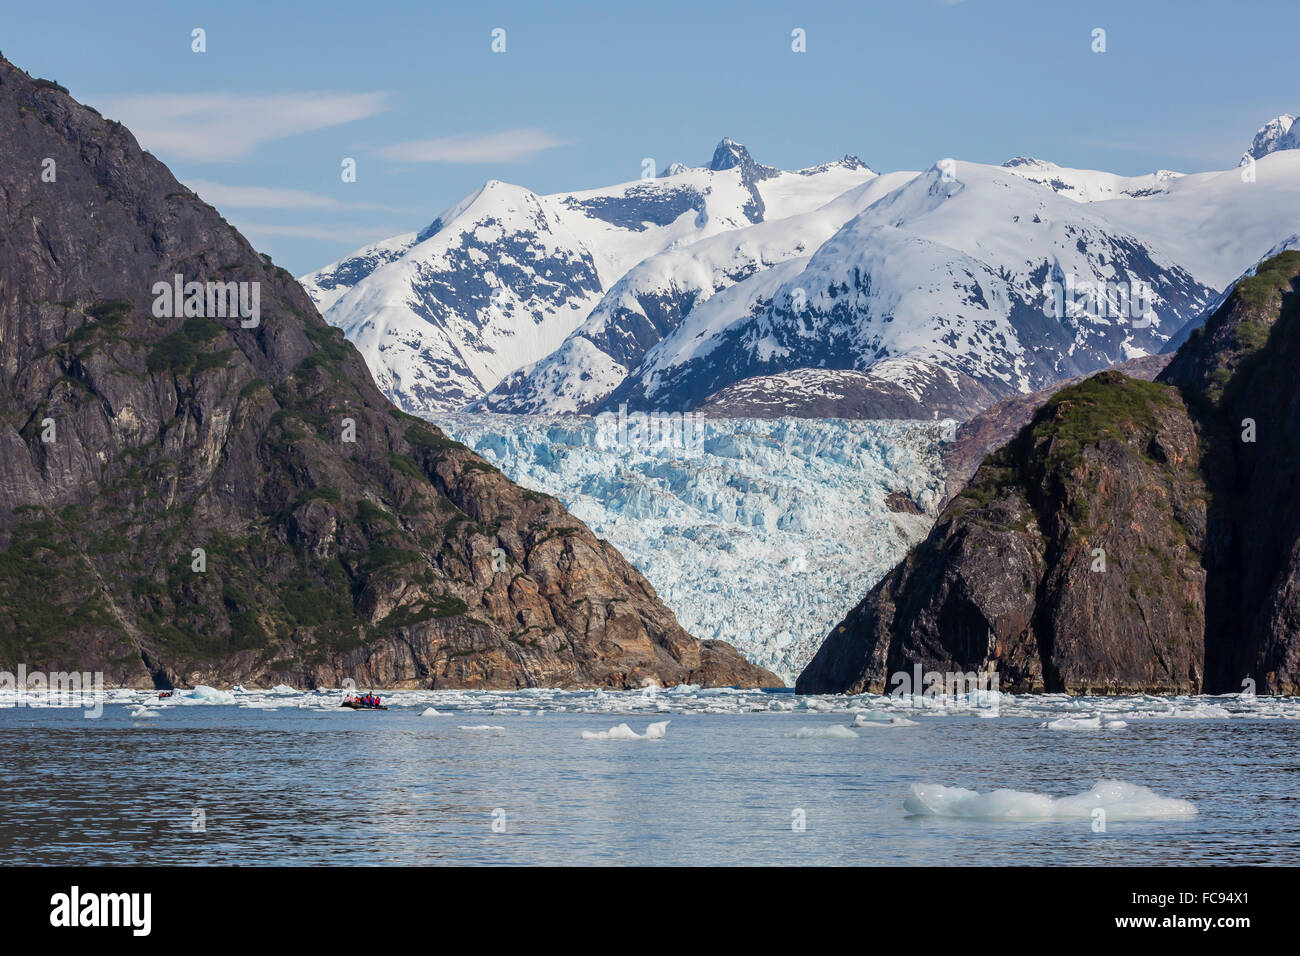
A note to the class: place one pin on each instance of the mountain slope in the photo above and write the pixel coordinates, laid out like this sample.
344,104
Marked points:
1278,133
180,497
1090,185
655,296
1134,537
948,270
1184,235
500,280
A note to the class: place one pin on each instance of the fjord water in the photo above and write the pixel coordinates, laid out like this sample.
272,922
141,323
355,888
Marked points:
290,778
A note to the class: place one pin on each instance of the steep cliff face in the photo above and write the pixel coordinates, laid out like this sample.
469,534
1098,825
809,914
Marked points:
986,432
1069,562
202,498
1240,373
1134,536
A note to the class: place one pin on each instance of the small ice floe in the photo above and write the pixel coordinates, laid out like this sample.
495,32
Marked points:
833,732
480,727
1120,801
139,710
281,689
656,731
1200,711
1116,724
880,718
430,712
1073,723
203,694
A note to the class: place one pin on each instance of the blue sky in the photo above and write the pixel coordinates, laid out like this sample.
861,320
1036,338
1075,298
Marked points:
260,123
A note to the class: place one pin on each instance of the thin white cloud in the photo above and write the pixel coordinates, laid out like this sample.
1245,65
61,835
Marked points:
355,234
269,197
509,146
1214,153
260,197
225,126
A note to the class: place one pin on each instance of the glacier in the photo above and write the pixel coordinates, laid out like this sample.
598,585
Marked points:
759,532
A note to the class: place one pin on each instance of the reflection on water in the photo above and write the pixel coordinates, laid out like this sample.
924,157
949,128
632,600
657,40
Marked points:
313,785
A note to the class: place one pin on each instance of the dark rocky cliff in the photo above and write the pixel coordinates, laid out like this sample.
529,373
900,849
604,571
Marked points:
986,432
1128,539
128,441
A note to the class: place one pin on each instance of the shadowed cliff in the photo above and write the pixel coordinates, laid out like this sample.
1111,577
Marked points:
1134,537
181,500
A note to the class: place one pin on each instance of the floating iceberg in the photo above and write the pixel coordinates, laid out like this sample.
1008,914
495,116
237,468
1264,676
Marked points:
431,712
656,731
834,732
878,718
1073,723
203,694
1119,800
480,727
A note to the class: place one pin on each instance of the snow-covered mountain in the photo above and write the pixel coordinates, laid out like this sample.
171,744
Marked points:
942,278
1278,133
654,297
744,290
500,280
951,270
760,533
1090,185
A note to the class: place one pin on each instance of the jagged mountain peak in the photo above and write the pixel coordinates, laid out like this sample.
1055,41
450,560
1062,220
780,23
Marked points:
498,281
639,258
728,155
1019,162
1278,133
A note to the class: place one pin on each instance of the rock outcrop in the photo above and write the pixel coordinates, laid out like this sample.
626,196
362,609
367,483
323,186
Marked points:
1134,537
986,432
205,498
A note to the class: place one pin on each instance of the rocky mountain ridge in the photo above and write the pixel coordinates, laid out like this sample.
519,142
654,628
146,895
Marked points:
193,496
1134,537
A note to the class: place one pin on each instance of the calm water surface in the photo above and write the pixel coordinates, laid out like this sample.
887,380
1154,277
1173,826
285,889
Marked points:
309,785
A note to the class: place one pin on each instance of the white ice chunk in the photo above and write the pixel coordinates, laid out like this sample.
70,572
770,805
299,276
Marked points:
1119,799
879,718
203,694
1073,723
834,732
656,731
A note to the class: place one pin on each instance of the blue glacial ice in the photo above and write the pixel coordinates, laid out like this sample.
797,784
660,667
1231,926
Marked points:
763,533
